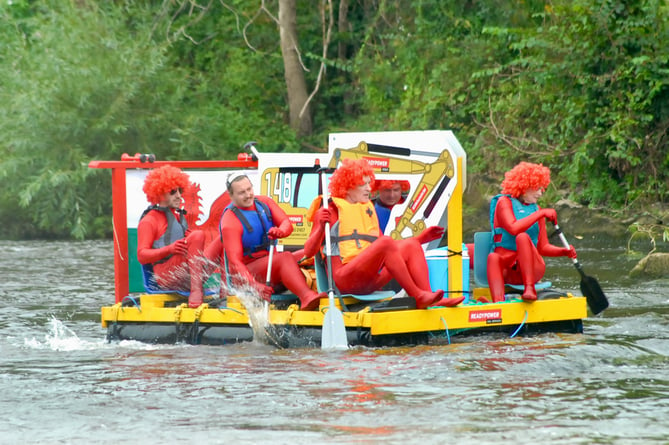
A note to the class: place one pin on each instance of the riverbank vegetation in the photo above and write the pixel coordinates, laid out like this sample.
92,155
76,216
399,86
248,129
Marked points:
579,85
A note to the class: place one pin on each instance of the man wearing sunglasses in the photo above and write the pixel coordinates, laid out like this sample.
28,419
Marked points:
163,238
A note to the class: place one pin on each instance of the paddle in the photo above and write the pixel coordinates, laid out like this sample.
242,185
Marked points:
589,286
268,281
334,330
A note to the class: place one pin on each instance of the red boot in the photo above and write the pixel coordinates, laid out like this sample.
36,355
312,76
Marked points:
311,300
530,293
426,298
195,298
449,302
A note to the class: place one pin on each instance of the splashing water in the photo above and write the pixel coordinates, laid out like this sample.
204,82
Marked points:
247,294
256,307
61,338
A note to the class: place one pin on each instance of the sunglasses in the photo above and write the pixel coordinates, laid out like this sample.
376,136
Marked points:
174,191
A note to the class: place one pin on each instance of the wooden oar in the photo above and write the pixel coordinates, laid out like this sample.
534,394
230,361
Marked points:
589,286
334,331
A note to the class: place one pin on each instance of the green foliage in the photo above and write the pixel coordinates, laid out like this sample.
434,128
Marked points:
579,85
595,76
83,82
75,83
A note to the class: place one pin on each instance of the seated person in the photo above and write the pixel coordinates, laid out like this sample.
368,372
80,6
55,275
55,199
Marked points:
163,237
519,232
247,225
389,194
363,259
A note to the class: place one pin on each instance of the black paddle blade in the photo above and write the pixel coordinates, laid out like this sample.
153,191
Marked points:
593,294
589,286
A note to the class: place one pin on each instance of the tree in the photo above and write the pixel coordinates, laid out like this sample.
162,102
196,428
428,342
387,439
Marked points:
296,86
578,85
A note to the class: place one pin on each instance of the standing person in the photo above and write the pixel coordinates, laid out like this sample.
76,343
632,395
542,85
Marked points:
163,237
389,194
363,259
247,226
519,232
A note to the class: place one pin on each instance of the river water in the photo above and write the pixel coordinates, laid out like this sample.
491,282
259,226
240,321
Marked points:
62,383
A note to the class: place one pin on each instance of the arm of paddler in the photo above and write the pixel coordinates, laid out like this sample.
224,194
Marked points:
317,235
545,248
282,225
506,219
430,234
149,230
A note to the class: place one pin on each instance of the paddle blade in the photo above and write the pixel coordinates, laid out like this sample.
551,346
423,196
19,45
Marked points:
334,330
589,286
593,294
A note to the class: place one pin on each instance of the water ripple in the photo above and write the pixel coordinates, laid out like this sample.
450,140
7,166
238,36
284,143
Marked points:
57,372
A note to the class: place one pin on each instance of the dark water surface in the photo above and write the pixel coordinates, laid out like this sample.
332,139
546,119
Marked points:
62,383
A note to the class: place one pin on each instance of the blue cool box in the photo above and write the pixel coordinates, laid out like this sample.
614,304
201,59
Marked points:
437,264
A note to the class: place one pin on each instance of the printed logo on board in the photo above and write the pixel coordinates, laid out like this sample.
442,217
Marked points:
490,316
297,220
382,164
416,203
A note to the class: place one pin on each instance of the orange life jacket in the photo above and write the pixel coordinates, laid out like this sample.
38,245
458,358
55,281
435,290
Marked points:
357,228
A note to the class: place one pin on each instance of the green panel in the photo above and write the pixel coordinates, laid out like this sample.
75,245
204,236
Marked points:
136,283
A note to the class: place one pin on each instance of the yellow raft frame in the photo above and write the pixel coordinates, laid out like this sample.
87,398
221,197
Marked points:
163,318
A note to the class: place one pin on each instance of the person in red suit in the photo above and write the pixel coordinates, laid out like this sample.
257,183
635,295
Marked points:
363,259
519,232
164,239
247,226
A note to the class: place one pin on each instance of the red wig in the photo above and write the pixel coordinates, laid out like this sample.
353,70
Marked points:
162,180
525,176
348,176
382,184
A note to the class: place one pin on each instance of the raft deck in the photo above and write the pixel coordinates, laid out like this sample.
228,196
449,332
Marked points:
166,318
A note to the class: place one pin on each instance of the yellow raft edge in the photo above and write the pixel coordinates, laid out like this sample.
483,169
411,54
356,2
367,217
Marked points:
152,309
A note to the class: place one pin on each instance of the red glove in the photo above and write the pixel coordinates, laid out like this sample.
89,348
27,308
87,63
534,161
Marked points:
571,252
550,214
276,232
430,234
179,247
324,215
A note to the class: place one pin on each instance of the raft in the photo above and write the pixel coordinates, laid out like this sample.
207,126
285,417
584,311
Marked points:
434,164
165,318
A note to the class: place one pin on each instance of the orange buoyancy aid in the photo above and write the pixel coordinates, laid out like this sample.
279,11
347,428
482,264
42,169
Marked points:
357,228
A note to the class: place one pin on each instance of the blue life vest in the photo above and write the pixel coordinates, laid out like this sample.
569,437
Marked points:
520,211
176,229
255,224
383,213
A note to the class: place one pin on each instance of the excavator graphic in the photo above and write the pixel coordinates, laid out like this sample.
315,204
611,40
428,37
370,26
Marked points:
436,176
294,188
436,198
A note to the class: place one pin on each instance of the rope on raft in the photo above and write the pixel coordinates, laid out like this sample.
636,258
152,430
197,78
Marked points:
448,336
521,325
134,302
446,333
